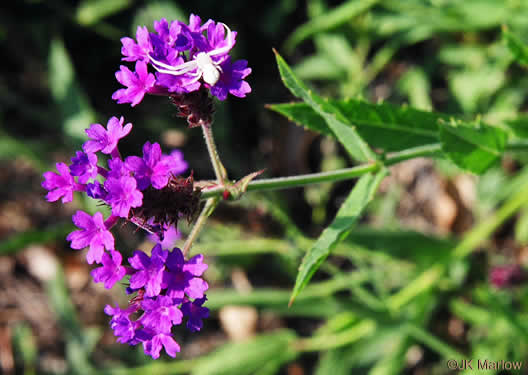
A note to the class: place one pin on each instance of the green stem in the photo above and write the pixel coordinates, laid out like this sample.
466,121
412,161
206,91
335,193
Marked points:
432,342
430,150
325,342
208,209
220,171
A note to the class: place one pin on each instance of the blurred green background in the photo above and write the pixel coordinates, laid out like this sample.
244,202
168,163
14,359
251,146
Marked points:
57,77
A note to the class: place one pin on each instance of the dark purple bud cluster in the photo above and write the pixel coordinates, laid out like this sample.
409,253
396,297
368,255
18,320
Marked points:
503,277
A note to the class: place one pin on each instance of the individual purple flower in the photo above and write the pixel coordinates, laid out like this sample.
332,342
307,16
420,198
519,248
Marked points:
105,140
170,236
149,270
60,184
195,313
195,265
137,84
122,195
152,168
179,281
176,36
175,162
154,345
117,168
111,271
195,23
95,190
93,233
217,40
124,328
84,165
133,51
231,80
160,313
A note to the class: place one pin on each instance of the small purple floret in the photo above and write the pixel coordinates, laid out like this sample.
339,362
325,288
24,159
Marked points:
111,271
195,313
105,140
154,345
232,80
137,84
122,195
84,165
152,168
149,270
93,233
59,184
161,313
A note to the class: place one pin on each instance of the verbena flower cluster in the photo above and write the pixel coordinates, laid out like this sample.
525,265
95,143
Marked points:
190,64
184,58
140,190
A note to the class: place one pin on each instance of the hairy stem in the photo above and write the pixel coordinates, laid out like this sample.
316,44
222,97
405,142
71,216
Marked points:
433,149
220,171
207,210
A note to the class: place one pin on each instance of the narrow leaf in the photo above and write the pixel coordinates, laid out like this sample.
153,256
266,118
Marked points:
89,12
249,356
331,19
516,46
473,148
345,219
336,121
76,111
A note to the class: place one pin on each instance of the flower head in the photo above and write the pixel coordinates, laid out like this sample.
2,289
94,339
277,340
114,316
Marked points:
186,58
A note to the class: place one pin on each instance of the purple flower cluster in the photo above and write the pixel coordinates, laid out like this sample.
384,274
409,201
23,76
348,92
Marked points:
185,59
168,287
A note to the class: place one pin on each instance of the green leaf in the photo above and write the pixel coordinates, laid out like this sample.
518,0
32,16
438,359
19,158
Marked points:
19,241
25,347
329,20
472,147
89,12
154,10
344,131
474,88
316,300
380,125
318,67
12,148
302,114
521,227
416,85
249,356
76,111
516,46
345,219
79,342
